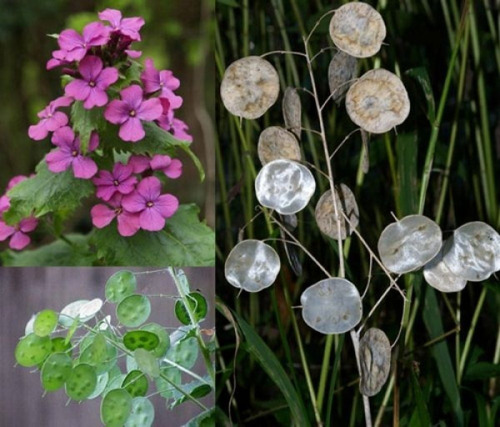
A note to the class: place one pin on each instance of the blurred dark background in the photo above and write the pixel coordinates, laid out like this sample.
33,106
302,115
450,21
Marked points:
176,35
26,291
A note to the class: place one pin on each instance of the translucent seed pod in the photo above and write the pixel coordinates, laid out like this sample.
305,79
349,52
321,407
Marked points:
357,29
473,252
250,87
277,143
252,266
410,243
285,186
378,101
331,306
438,275
325,213
375,361
292,111
342,69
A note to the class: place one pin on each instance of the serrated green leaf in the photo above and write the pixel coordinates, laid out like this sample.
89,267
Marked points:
85,121
131,75
46,192
184,241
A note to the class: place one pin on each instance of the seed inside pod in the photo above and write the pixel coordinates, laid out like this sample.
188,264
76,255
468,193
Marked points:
292,111
277,143
342,69
250,87
375,361
410,243
252,265
285,186
357,29
438,275
325,212
378,101
331,306
473,252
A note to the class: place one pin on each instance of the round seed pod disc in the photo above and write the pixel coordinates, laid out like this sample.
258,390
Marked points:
438,275
357,29
285,186
55,371
32,350
250,87
342,69
141,339
252,265
45,323
473,252
331,306
102,381
292,111
184,352
90,309
378,101
71,312
136,383
325,212
116,406
81,382
142,413
409,244
120,285
375,361
133,310
162,335
277,143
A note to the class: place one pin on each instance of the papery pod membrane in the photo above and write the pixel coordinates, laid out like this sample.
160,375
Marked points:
331,306
116,407
250,87
71,312
285,186
410,243
133,310
292,253
91,308
473,252
252,266
147,363
102,382
375,361
438,275
325,213
292,111
142,413
357,29
120,285
377,102
341,71
184,352
277,143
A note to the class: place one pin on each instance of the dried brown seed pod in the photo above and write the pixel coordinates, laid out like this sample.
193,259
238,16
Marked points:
375,361
473,252
277,143
331,306
292,111
357,29
410,243
325,212
342,69
438,275
252,265
250,87
378,101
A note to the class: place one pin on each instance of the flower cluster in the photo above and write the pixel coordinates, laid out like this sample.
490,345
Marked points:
97,63
17,234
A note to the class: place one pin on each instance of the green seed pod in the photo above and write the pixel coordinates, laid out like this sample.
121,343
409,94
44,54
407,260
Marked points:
120,285
141,339
81,382
163,336
147,363
32,350
133,310
55,371
198,305
45,323
116,407
136,383
142,413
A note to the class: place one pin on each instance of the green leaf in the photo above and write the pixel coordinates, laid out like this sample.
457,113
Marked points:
131,75
198,305
46,192
162,335
205,419
482,371
85,121
60,252
421,75
421,412
271,365
196,389
184,241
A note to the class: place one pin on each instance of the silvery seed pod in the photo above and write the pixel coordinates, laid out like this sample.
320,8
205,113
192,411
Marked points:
375,361
341,71
292,111
277,143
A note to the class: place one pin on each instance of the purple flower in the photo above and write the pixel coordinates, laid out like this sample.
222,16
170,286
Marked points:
130,111
170,167
168,122
180,130
102,215
75,46
15,180
134,54
51,119
165,81
120,181
95,80
19,238
139,163
4,204
58,58
68,154
129,27
152,206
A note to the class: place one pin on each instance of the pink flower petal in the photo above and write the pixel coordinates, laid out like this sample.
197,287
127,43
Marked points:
168,80
132,130
97,98
94,141
106,78
160,161
175,101
151,220
102,215
117,112
38,131
132,95
104,177
58,161
134,54
134,202
106,192
128,224
58,120
150,110
174,171
128,185
113,16
90,67
28,224
139,163
78,89
4,204
95,34
16,180
180,130
62,101
69,40
83,167
63,136
19,241
121,171
131,26
167,205
149,188
150,77
6,231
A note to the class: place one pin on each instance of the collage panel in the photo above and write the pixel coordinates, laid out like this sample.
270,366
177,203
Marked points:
87,347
